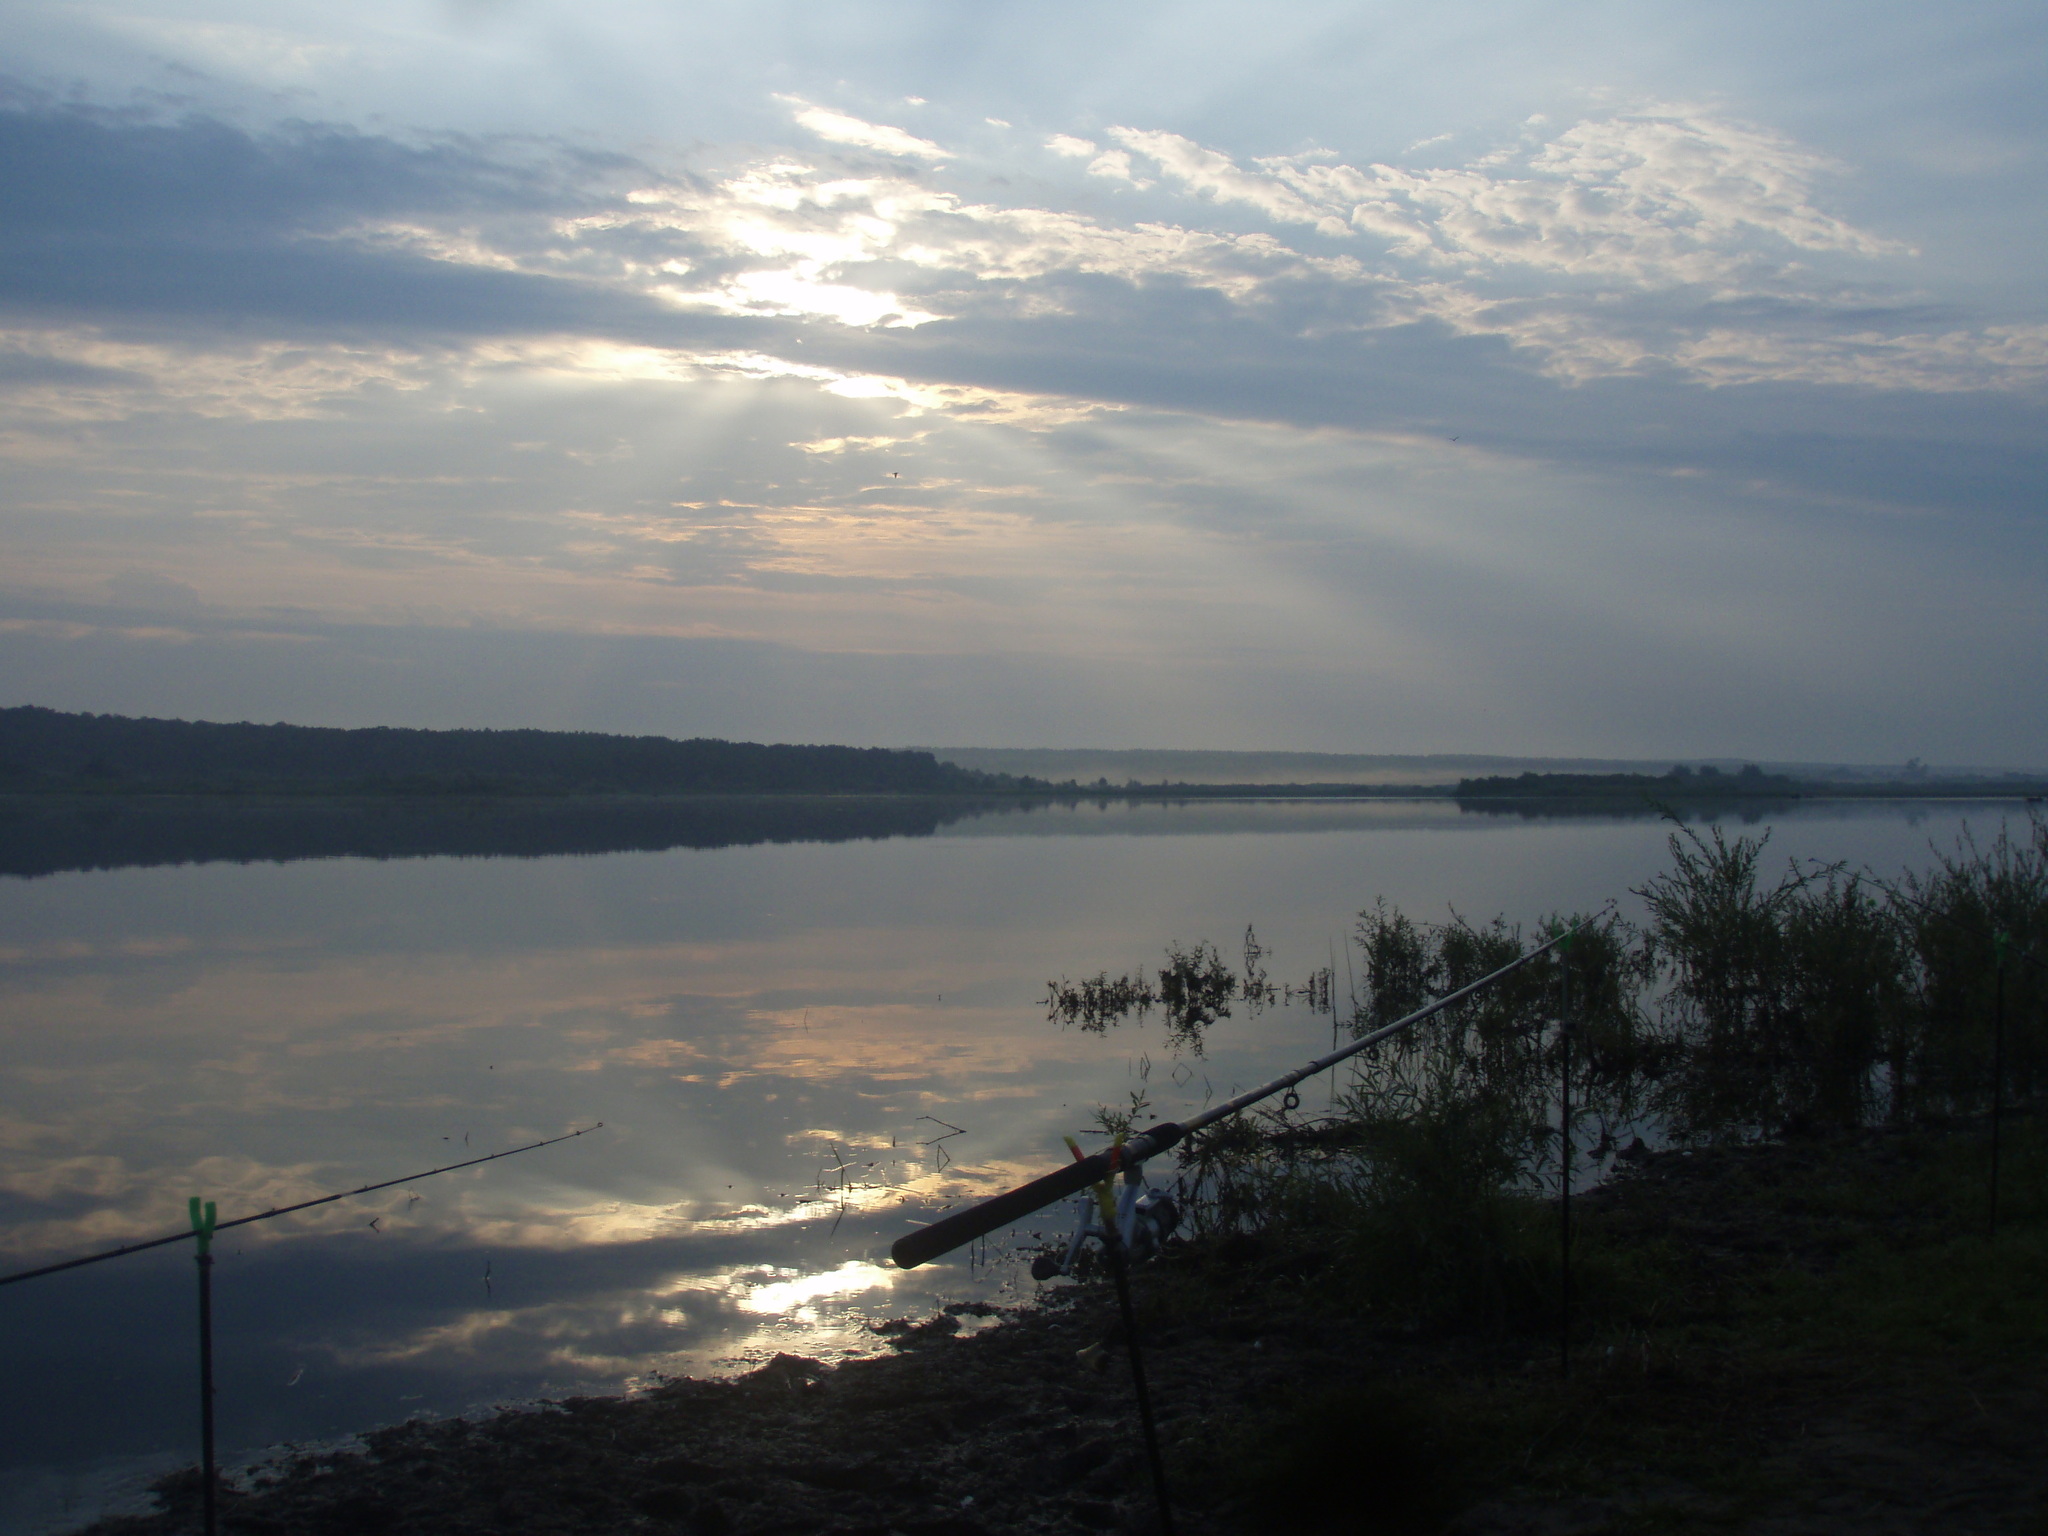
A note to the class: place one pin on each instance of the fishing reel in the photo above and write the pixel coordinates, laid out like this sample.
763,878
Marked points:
1145,1219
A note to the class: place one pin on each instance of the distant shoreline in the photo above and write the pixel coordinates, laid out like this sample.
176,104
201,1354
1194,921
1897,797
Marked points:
49,753
459,792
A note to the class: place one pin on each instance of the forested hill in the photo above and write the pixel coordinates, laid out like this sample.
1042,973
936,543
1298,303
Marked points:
45,749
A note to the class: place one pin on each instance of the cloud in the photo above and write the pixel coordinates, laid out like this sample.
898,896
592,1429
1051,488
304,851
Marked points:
1655,201
1115,164
1121,574
264,53
1073,148
325,382
803,293
89,375
1654,198
1211,174
1632,243
306,227
838,128
430,264
1932,362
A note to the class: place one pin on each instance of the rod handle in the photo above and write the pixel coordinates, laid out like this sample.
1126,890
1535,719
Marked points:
950,1232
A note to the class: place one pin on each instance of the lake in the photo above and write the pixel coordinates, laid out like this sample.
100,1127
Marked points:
797,1049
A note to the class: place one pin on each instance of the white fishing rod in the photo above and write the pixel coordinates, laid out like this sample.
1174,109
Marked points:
950,1232
283,1210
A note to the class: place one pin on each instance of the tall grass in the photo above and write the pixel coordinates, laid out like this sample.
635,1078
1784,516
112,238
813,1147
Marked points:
1950,919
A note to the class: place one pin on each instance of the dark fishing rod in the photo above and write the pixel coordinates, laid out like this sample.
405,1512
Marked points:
286,1210
949,1232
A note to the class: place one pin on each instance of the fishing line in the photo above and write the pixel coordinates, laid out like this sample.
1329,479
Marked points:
286,1210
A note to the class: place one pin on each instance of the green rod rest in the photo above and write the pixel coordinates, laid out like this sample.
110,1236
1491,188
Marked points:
202,1223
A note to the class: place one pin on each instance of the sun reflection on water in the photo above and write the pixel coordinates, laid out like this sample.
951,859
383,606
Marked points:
849,1279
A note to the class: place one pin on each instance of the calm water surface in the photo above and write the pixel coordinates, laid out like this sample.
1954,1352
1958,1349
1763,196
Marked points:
743,1020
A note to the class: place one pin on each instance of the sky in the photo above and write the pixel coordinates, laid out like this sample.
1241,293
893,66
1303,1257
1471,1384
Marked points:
1579,378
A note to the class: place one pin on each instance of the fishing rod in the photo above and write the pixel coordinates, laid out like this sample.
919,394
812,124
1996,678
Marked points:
949,1232
286,1210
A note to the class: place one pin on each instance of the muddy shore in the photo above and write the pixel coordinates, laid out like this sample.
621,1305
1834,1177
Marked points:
1784,1339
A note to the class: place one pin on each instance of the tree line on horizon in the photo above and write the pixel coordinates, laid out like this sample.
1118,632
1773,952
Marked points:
49,749
45,750
1681,780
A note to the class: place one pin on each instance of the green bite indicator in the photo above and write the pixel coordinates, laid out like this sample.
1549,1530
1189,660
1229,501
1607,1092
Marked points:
202,1224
